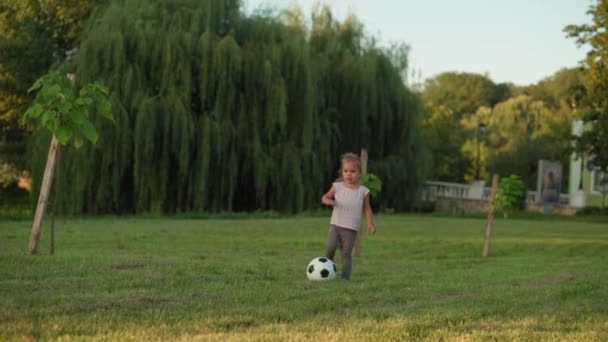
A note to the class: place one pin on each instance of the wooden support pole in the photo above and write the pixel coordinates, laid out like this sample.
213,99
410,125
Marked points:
486,240
43,196
55,199
363,172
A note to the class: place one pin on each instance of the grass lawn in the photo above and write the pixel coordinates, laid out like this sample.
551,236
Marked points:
419,278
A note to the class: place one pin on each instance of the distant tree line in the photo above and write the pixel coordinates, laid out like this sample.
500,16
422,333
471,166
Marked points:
474,126
221,110
34,36
593,96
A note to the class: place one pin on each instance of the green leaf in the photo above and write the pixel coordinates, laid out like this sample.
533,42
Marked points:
48,115
53,124
34,111
78,117
65,108
51,92
84,101
35,86
78,141
104,109
373,183
100,88
63,134
88,130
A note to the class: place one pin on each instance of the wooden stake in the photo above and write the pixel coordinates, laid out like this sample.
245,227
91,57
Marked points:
363,172
55,199
43,196
486,240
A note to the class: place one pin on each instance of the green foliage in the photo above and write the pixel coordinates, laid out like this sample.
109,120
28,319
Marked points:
34,36
521,131
511,191
451,101
593,211
594,140
216,111
462,93
559,92
373,183
522,124
58,108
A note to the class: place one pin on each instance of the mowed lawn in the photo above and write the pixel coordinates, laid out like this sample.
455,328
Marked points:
419,278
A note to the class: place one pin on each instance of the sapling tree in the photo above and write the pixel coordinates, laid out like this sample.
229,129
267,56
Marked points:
373,183
511,190
66,114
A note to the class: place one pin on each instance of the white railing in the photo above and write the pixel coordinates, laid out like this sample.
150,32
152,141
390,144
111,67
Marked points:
475,191
445,189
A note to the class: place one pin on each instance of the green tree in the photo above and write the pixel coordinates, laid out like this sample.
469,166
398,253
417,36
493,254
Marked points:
521,131
450,99
594,140
218,111
34,35
445,137
65,113
511,194
463,93
559,92
361,96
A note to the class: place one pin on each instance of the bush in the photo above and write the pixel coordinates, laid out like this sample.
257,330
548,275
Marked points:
511,192
373,183
14,201
592,211
12,195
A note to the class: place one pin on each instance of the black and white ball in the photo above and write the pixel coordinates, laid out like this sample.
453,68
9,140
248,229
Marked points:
321,268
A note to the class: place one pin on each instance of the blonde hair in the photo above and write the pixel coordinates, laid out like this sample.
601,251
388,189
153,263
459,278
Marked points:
350,157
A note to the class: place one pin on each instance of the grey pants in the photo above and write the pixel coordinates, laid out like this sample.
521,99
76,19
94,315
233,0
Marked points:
346,239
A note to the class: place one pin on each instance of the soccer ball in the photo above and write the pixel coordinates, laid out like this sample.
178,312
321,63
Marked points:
321,268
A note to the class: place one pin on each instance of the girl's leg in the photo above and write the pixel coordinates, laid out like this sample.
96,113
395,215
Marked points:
332,242
347,241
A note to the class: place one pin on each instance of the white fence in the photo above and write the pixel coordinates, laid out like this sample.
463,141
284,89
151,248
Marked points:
452,190
474,191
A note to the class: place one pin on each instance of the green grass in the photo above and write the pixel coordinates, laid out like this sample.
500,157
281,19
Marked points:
419,278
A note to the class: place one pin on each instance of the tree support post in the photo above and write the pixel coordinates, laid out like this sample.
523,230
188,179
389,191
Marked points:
55,199
486,240
43,196
363,172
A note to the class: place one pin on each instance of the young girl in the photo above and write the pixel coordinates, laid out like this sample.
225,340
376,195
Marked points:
348,199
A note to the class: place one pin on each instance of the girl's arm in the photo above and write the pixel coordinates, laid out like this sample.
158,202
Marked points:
369,215
328,198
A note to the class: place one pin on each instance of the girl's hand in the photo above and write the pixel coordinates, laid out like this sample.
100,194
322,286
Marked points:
329,202
372,228
327,199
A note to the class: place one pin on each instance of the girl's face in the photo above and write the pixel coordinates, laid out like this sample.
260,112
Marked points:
350,172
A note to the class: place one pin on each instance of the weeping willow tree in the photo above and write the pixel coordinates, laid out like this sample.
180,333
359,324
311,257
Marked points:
363,103
215,110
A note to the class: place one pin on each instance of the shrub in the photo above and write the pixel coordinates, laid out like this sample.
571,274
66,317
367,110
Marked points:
592,211
373,183
511,191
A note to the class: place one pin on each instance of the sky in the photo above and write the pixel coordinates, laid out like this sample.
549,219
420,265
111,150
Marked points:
515,41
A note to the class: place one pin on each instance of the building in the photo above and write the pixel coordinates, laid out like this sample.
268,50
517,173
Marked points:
585,183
